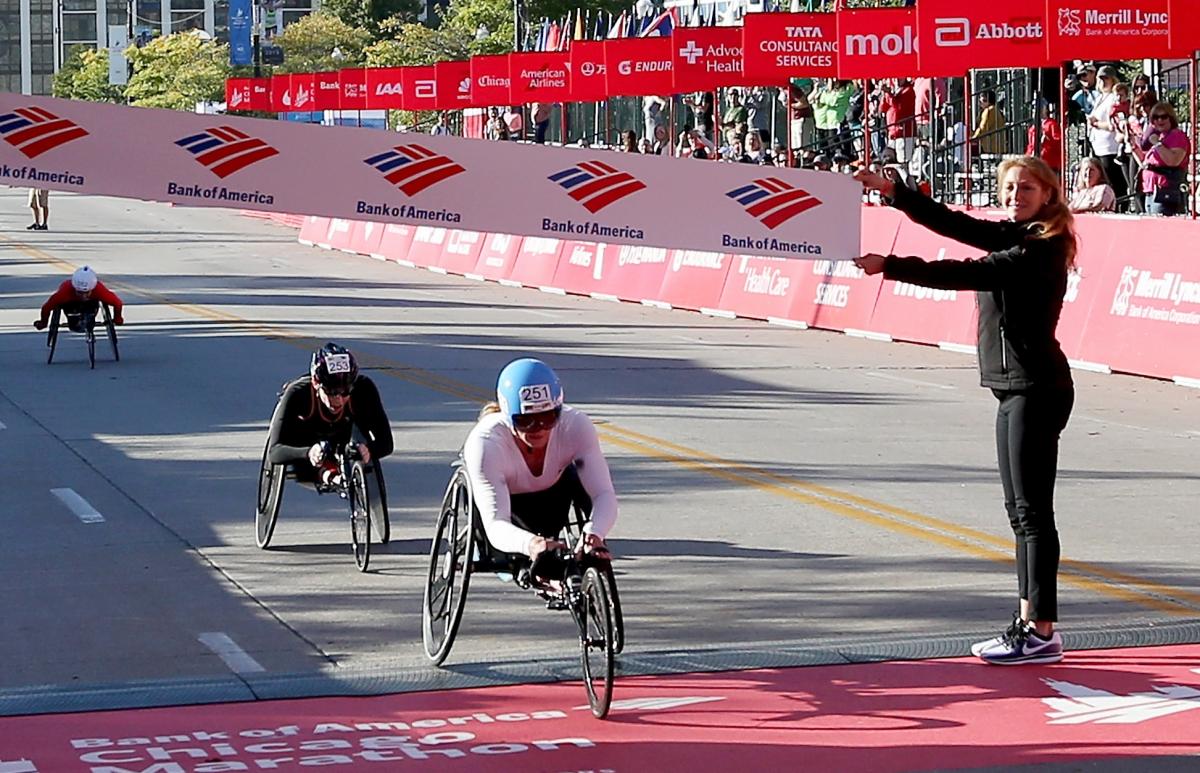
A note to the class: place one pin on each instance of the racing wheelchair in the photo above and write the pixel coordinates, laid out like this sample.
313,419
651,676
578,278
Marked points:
81,318
588,589
359,483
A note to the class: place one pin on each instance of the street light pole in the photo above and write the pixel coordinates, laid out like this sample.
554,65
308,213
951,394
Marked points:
256,16
518,12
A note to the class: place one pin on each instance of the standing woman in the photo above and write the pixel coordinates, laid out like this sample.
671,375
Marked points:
1019,286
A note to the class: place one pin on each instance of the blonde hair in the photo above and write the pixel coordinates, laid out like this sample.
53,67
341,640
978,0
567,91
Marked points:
1055,218
492,407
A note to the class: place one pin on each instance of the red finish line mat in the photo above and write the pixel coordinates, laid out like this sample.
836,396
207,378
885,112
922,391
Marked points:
894,716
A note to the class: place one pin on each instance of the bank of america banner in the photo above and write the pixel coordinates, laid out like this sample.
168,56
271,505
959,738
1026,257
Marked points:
363,174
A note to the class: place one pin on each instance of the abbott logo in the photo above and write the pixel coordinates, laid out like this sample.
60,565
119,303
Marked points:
425,89
952,32
1068,22
691,52
892,44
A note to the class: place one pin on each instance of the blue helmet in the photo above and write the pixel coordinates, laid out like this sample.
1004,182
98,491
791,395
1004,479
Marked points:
527,386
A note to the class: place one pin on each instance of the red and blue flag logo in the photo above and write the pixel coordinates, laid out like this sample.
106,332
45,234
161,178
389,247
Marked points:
35,130
772,201
595,184
224,150
413,168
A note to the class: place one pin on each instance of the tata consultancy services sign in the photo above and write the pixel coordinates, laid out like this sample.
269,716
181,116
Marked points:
877,43
1107,29
956,36
778,46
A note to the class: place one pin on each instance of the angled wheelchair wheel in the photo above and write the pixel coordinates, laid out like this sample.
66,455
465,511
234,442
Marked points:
614,599
111,328
449,576
270,494
597,640
381,525
52,334
89,333
360,516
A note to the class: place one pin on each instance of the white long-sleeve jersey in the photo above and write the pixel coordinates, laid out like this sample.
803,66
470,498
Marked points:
497,470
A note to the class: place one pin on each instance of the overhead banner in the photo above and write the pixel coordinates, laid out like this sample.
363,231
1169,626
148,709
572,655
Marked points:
589,77
489,80
539,76
639,67
1107,29
551,193
1183,28
238,94
707,58
956,36
877,43
303,92
779,46
354,88
327,88
453,85
260,94
241,51
385,88
420,88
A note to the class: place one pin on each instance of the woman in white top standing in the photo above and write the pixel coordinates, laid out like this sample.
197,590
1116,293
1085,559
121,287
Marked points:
1103,131
529,457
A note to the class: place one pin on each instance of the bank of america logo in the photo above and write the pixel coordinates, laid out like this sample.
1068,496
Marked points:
595,184
772,201
413,168
224,150
34,130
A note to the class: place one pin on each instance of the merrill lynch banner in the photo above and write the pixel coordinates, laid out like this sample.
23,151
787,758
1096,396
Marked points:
366,174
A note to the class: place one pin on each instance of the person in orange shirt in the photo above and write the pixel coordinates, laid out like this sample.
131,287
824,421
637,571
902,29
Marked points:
82,293
1051,139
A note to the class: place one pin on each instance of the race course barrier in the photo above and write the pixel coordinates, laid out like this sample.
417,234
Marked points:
1132,307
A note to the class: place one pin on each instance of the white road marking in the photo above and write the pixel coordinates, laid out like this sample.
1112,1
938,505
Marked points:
3,425
235,657
18,766
902,379
78,505
538,313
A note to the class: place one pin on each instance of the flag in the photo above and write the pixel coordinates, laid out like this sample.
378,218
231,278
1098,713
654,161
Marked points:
550,41
661,26
580,25
618,28
543,36
598,29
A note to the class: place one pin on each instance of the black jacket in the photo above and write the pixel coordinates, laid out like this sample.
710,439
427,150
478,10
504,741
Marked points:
300,421
1019,287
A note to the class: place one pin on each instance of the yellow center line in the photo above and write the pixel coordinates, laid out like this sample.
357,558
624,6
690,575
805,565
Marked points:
1097,579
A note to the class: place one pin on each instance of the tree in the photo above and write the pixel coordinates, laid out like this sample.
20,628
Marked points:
308,44
84,75
177,71
370,14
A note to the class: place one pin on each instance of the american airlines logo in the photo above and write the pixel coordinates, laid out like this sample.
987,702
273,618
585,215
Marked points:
595,184
772,201
413,168
35,130
224,150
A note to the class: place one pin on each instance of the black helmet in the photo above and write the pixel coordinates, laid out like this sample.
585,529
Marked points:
334,368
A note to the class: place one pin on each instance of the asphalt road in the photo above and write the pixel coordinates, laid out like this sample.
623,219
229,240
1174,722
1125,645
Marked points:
776,486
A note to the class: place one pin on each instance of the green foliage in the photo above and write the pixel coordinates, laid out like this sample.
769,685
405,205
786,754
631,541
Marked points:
308,44
84,76
177,71
370,14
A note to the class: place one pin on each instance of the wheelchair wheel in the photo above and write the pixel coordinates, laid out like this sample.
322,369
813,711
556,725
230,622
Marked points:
52,335
270,494
597,640
360,516
614,599
377,495
449,569
89,333
111,329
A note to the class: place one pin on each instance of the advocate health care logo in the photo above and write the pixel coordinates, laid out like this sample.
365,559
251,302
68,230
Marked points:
34,131
412,168
595,185
224,151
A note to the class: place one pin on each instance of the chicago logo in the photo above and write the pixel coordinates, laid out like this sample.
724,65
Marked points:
35,130
224,150
413,168
772,201
595,184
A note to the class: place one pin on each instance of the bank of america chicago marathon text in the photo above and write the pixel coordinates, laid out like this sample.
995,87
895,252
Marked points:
31,174
219,193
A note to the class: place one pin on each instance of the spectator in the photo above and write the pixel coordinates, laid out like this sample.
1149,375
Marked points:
1102,132
830,106
514,122
629,141
1045,141
646,146
801,111
736,113
1166,149
1144,98
757,111
442,127
756,152
701,105
1075,114
1086,95
39,202
661,141
780,155
1092,192
495,126
652,115
899,105
954,138
541,120
821,162
990,131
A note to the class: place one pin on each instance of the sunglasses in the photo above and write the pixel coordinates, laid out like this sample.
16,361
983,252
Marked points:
336,391
532,422
1160,117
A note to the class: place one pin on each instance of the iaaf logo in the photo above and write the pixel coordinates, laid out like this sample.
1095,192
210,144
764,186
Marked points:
413,168
955,32
595,184
224,150
1069,22
35,130
389,88
772,201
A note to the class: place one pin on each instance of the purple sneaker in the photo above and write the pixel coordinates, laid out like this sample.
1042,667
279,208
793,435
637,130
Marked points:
1025,648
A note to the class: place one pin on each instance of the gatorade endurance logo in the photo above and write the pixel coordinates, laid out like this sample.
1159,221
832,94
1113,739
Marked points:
35,130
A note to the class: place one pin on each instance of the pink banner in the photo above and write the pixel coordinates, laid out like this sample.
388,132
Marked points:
498,256
461,251
694,279
365,237
536,262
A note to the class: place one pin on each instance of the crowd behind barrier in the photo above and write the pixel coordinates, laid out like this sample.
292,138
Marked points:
1133,306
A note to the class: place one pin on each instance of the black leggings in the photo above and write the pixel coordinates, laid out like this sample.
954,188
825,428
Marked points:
547,512
1028,425
1116,178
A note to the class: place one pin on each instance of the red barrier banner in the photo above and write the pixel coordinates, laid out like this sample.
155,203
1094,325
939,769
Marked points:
777,46
589,77
461,251
489,79
365,237
539,76
281,93
419,88
1106,29
536,261
260,94
337,234
312,230
396,240
762,288
637,67
453,84
303,92
694,279
426,247
707,58
580,268
1183,26
956,36
328,91
498,256
237,93
354,88
385,88
877,43
616,271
